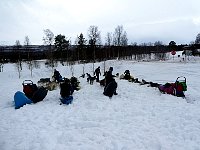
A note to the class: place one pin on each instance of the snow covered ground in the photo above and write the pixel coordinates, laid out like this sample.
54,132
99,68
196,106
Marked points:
138,118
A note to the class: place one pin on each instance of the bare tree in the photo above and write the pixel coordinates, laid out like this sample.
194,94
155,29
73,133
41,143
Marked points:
49,37
26,45
95,35
124,39
94,39
27,40
48,40
117,35
30,61
19,61
120,37
109,39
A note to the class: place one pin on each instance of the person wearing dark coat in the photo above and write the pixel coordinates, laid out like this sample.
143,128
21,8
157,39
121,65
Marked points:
108,76
110,89
57,76
66,89
111,69
111,84
127,75
97,73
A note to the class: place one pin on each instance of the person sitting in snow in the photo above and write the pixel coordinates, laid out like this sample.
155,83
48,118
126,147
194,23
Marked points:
111,88
66,88
127,75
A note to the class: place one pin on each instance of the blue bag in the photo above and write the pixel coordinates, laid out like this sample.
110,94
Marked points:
20,99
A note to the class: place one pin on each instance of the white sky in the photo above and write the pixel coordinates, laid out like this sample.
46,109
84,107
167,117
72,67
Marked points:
143,20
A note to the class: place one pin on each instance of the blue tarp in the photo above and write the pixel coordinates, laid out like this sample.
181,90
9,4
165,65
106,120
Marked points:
20,99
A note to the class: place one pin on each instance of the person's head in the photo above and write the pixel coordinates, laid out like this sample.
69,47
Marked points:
99,67
111,69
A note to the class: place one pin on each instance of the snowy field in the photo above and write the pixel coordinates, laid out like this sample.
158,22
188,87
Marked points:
138,118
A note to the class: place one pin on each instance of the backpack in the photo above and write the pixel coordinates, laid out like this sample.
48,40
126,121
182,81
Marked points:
29,88
181,84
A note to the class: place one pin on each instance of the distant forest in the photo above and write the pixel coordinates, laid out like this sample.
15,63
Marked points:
91,50
86,53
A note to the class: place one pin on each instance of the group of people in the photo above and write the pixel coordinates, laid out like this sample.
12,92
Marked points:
67,88
110,83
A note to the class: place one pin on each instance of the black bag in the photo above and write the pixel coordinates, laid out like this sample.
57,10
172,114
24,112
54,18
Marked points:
39,95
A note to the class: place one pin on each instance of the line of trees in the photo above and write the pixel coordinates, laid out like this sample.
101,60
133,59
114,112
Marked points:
88,49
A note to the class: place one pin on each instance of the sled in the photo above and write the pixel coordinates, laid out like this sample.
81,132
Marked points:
48,84
177,89
29,88
180,86
39,95
34,93
67,100
20,99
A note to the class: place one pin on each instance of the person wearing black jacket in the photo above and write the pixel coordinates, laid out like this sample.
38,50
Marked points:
66,88
57,76
111,84
97,72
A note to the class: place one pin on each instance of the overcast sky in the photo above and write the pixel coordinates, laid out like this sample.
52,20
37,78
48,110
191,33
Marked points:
143,20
